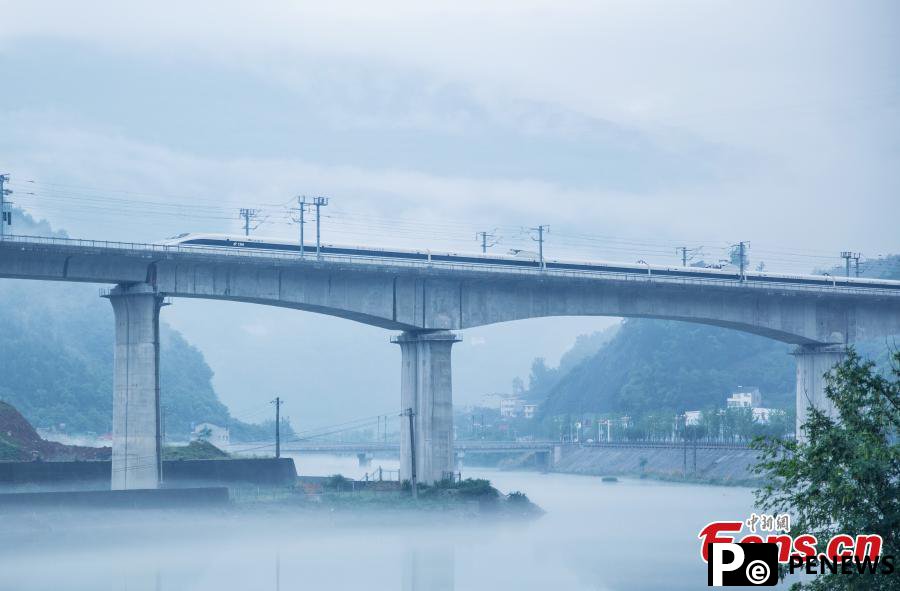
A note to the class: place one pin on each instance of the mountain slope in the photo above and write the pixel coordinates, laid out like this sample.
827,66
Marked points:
664,365
652,365
56,359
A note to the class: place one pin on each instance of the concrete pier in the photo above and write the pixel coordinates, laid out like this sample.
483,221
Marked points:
425,386
813,363
136,436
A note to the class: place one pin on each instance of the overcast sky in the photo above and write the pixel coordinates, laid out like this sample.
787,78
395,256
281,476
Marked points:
629,127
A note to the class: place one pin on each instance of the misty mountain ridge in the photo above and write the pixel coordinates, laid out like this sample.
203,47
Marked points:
650,365
57,349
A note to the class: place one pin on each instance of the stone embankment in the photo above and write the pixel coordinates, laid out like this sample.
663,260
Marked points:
723,465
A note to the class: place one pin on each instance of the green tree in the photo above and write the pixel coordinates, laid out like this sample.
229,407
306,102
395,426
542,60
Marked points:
843,475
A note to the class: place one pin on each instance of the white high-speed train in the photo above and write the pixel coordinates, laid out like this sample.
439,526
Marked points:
518,259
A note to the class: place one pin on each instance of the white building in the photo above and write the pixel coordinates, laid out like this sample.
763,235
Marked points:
510,407
214,434
762,415
744,398
528,410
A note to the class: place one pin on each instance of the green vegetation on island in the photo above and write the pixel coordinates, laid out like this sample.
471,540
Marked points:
471,495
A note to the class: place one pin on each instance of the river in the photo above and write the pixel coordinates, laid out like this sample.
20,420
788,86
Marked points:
628,535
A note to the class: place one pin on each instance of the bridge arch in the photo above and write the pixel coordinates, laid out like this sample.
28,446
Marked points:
426,302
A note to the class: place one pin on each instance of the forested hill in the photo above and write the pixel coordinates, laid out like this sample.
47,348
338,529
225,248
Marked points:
56,357
655,365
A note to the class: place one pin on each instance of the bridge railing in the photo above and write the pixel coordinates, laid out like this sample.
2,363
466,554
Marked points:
662,445
150,249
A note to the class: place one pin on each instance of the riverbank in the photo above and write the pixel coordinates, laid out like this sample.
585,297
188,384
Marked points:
727,466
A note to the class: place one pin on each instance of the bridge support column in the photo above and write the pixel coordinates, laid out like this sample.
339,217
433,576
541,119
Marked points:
425,387
813,363
136,436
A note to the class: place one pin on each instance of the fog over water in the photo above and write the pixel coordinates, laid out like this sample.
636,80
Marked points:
594,535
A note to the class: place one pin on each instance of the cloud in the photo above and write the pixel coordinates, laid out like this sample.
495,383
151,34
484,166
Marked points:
408,208
701,122
696,62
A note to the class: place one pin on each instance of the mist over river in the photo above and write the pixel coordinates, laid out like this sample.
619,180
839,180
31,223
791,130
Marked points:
633,534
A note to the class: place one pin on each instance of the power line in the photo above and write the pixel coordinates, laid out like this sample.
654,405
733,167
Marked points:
90,203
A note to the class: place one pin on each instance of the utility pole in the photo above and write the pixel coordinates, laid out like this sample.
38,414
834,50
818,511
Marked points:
319,202
302,205
687,254
742,254
163,411
540,240
248,214
160,442
277,402
695,457
847,255
486,237
412,452
5,216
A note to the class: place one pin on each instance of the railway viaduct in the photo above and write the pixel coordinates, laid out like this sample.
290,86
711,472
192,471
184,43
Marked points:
426,302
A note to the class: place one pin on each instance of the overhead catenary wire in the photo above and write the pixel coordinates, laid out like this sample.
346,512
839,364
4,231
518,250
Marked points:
84,203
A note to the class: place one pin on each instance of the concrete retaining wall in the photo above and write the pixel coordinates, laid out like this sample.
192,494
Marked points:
270,471
721,465
177,473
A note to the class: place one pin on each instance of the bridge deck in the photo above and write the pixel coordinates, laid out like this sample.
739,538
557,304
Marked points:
152,252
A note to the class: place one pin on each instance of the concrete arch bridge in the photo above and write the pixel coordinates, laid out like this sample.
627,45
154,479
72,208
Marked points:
426,301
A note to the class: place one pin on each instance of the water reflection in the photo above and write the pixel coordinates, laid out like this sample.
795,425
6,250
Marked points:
429,568
591,538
